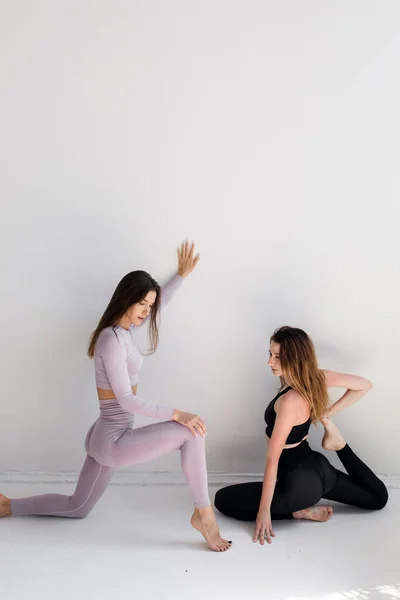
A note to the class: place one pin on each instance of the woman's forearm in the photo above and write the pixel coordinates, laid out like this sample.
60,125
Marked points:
270,474
348,398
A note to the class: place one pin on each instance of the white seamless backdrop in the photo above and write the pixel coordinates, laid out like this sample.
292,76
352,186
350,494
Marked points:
266,131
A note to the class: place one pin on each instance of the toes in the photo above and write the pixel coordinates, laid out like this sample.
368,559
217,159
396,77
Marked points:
224,545
225,548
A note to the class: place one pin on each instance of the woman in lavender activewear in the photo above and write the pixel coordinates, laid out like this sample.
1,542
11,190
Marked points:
112,441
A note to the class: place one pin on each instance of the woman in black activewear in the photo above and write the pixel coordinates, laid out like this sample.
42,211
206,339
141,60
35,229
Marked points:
295,476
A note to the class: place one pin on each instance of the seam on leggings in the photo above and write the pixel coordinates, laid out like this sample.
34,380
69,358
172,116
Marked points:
63,512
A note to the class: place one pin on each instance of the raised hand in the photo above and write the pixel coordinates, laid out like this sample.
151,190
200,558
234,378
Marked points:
187,261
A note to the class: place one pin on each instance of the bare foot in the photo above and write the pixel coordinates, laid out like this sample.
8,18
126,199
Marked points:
203,519
5,506
333,439
315,513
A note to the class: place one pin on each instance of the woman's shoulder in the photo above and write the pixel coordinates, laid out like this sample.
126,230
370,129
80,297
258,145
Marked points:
109,338
291,399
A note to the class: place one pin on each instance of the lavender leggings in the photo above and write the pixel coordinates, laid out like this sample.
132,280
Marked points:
112,442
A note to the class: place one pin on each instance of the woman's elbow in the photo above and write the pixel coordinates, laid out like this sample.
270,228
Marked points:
368,385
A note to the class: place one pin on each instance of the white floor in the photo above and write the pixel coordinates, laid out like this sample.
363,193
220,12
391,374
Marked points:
138,543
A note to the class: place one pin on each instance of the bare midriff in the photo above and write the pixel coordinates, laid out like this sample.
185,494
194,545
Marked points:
109,395
287,446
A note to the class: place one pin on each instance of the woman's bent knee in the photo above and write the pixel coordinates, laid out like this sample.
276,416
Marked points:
221,501
82,512
381,499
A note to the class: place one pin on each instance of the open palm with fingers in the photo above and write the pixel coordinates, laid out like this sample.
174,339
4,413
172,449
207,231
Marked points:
187,260
263,530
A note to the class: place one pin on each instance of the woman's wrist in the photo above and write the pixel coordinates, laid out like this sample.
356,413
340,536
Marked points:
328,413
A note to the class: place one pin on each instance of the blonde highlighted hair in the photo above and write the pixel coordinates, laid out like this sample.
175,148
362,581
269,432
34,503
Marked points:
300,369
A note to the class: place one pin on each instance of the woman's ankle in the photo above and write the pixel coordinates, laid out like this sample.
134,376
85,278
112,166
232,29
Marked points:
204,512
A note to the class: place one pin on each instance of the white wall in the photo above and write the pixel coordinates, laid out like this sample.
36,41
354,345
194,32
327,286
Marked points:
266,131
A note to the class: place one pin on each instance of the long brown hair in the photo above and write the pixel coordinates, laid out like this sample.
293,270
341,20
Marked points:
300,368
132,289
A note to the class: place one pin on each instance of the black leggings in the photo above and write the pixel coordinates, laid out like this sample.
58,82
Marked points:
304,477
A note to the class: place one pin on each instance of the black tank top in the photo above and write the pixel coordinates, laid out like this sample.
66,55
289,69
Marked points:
297,433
